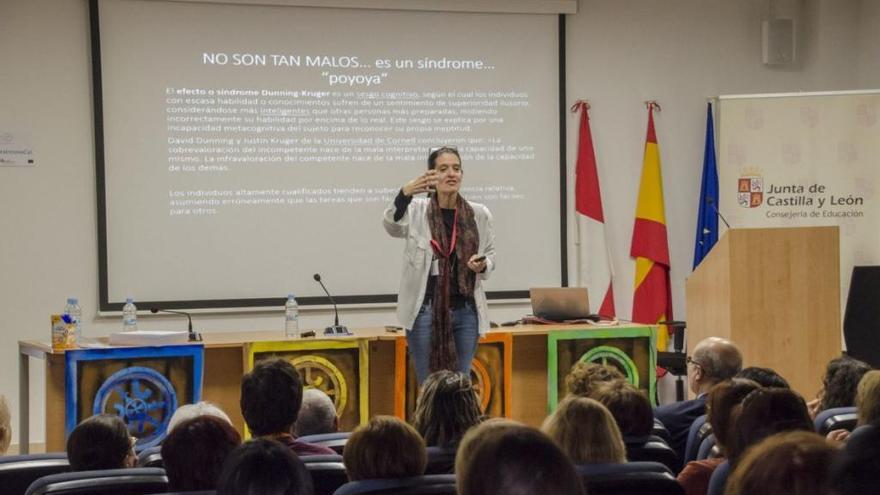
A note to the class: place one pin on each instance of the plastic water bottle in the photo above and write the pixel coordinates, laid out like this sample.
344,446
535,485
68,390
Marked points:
73,310
129,316
291,317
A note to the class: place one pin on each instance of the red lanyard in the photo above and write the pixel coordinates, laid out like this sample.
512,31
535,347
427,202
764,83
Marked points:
436,245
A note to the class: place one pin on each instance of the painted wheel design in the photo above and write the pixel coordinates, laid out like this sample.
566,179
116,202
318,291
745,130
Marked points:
143,398
612,356
320,373
481,382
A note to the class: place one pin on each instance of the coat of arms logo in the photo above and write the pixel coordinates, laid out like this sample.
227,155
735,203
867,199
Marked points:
750,189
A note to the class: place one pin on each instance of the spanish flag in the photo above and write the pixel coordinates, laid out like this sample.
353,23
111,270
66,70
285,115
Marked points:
652,299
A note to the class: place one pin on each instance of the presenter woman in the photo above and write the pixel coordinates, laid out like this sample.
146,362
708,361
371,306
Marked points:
449,252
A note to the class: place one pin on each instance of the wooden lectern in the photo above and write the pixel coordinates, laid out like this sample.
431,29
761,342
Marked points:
776,293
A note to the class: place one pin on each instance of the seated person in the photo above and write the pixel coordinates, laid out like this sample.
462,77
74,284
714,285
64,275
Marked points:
584,377
585,430
629,406
317,415
764,377
271,395
854,472
868,399
264,467
765,412
201,408
839,384
446,408
385,447
5,425
194,451
101,442
506,458
793,463
723,403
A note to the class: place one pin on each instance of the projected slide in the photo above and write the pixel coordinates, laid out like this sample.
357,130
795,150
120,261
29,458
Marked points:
247,147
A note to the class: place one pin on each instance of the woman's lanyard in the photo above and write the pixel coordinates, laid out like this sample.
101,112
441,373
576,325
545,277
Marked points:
436,245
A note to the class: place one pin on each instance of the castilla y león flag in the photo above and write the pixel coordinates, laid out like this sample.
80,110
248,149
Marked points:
652,299
595,260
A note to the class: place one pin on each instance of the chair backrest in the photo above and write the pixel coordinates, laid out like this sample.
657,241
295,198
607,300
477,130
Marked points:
659,430
335,441
631,478
151,457
134,481
327,471
439,484
652,449
718,481
706,448
837,418
17,472
203,492
699,430
440,461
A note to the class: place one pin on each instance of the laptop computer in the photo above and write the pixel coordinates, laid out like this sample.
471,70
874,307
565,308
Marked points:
560,303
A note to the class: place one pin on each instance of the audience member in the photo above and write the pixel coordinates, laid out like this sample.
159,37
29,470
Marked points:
385,447
629,406
868,398
765,412
856,471
723,401
194,451
513,460
101,442
5,425
317,414
583,377
764,377
712,361
446,408
190,411
586,431
264,467
793,463
271,395
491,426
839,385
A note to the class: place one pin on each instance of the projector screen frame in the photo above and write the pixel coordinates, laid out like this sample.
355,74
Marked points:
106,306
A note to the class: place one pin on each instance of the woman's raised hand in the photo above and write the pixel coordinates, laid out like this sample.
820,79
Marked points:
423,183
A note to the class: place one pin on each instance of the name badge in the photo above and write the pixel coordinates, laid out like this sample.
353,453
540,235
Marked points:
435,267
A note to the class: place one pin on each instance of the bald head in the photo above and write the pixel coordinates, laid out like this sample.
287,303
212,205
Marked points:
718,358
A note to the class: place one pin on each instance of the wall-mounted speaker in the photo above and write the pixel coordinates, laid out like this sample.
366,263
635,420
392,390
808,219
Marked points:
779,39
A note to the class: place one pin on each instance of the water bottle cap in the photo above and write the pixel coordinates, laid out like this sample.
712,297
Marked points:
71,300
129,300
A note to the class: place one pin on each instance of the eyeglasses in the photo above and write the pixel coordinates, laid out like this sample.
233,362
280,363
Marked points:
691,360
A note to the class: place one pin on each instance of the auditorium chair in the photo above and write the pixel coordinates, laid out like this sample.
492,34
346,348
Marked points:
429,484
151,457
651,449
133,481
718,481
837,418
700,429
708,449
659,430
327,471
17,472
201,492
631,478
440,461
335,441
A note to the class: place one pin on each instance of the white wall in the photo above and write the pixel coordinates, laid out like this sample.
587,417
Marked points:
620,53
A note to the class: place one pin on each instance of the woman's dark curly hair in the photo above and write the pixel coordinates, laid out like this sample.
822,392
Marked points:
842,376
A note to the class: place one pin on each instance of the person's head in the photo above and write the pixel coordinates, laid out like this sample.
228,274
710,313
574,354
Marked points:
842,377
854,472
628,405
721,406
194,451
446,408
794,463
271,395
714,360
513,460
764,377
584,377
263,467
585,430
385,447
316,415
190,411
489,427
764,412
100,442
447,162
868,398
5,425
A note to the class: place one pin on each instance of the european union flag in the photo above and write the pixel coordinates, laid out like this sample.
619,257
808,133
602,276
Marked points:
707,217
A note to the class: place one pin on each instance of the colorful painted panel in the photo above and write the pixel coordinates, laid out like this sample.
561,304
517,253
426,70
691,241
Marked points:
490,374
631,350
143,385
338,367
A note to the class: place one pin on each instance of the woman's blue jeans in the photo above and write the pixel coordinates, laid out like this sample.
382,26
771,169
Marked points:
465,332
